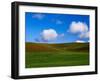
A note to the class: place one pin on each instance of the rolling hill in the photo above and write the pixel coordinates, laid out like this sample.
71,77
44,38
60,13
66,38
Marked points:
57,47
54,55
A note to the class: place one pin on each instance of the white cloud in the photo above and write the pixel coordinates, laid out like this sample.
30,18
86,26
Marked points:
78,27
49,34
38,16
84,35
79,41
61,35
59,22
88,41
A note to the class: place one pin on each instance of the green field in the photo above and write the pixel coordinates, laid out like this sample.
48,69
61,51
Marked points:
52,55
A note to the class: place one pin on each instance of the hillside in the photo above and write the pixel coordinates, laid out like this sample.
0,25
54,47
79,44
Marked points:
57,47
53,55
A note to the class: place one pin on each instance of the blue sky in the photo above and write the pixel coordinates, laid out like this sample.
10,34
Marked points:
56,28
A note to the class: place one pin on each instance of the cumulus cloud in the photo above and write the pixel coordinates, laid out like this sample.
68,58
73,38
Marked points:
40,40
38,16
49,34
80,41
59,22
84,35
88,41
36,40
78,27
61,35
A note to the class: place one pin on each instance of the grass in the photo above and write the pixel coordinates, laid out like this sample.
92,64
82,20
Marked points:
52,55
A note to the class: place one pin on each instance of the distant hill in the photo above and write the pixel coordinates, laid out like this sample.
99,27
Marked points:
39,47
73,46
56,47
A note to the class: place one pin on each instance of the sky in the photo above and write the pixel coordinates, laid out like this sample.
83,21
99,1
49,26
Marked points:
56,28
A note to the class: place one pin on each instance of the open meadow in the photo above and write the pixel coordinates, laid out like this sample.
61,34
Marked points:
56,55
